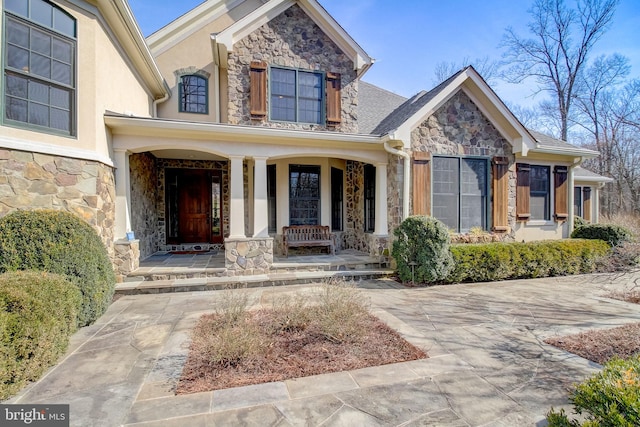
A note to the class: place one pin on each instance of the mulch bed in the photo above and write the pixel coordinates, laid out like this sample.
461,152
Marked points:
601,346
295,354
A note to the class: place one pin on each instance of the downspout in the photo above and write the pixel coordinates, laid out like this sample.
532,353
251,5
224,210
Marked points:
406,176
159,101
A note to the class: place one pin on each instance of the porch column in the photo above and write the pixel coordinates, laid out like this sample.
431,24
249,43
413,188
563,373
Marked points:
236,207
381,227
123,194
260,204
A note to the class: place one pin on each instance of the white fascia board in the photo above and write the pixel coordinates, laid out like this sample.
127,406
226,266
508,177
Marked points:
184,26
592,179
53,150
123,24
149,126
566,151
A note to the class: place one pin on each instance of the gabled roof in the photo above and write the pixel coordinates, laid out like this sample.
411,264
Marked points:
268,11
374,104
548,144
399,124
410,107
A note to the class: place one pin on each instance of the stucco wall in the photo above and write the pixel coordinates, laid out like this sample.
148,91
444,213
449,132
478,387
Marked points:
293,40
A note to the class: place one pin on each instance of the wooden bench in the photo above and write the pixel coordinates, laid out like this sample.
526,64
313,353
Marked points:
307,235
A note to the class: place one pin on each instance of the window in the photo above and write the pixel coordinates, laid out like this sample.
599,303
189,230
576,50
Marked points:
337,189
539,192
296,96
577,201
193,95
460,192
271,197
39,66
304,195
369,198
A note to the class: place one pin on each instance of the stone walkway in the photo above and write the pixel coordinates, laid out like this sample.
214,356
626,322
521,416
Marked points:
488,365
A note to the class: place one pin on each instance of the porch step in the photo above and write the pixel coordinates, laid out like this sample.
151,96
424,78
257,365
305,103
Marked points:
133,287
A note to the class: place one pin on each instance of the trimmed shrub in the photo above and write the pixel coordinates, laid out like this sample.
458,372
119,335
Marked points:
38,313
614,235
59,242
608,398
501,261
578,221
424,241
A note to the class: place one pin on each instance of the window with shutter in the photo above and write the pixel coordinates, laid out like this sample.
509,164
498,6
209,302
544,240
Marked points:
523,212
561,193
258,90
421,171
334,109
500,194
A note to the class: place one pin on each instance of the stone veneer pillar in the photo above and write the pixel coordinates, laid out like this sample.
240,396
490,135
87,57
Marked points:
127,257
246,256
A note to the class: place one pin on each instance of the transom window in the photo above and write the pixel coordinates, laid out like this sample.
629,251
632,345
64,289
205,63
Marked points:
539,192
193,95
39,65
304,195
460,192
296,95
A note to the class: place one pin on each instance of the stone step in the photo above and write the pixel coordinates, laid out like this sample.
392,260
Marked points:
258,280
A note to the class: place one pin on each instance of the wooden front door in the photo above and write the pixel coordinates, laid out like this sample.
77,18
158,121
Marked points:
194,206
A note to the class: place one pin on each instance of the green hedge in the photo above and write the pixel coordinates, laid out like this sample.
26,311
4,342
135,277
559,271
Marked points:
424,241
60,242
501,261
608,398
613,234
38,313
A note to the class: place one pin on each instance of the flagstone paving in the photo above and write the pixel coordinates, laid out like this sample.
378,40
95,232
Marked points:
489,365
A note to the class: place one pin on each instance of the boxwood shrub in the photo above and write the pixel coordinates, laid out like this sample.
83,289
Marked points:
608,398
424,241
38,313
501,261
60,242
615,235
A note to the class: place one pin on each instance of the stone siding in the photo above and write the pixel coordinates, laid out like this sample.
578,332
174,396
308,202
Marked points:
144,193
292,40
354,236
41,181
459,128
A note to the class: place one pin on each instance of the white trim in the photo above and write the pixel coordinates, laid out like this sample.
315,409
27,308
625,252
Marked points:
54,150
565,151
592,179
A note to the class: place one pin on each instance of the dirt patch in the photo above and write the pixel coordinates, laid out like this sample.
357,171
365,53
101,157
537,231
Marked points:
295,353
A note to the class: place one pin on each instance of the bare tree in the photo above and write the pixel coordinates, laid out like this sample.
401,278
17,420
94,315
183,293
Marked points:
488,69
556,52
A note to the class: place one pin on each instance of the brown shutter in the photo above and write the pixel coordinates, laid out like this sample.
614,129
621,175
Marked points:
421,171
334,106
561,186
522,192
586,203
258,77
500,212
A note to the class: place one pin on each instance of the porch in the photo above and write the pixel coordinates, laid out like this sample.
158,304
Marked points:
199,271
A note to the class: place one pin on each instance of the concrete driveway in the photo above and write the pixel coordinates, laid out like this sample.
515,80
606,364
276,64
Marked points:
488,363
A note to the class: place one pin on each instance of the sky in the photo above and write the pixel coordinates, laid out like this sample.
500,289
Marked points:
408,38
